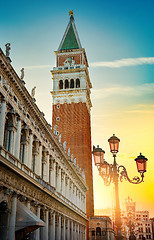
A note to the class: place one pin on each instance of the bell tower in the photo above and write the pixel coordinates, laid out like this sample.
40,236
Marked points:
72,105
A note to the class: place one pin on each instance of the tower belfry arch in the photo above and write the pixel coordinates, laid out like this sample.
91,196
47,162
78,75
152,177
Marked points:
72,103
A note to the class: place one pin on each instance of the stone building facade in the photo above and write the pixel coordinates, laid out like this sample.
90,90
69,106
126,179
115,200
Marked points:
100,228
135,221
42,192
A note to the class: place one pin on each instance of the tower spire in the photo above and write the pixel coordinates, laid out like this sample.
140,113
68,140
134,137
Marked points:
70,39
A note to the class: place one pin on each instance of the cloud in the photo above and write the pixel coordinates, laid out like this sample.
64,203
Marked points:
124,62
141,108
37,67
137,90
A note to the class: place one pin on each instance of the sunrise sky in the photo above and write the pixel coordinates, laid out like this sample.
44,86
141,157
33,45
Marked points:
118,37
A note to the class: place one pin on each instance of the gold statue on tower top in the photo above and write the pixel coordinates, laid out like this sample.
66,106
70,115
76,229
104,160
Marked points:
71,14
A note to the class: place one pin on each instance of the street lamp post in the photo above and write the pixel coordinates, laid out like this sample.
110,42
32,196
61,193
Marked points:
114,173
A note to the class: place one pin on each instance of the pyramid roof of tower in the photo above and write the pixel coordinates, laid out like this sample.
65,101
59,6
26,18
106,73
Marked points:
70,39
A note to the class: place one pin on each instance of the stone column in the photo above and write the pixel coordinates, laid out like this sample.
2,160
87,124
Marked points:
11,235
59,227
46,225
53,225
38,230
35,154
47,168
25,146
68,229
29,162
59,180
75,195
72,237
68,188
39,160
44,165
75,237
64,228
79,199
11,141
78,234
17,139
2,121
63,183
107,234
53,173
50,173
81,205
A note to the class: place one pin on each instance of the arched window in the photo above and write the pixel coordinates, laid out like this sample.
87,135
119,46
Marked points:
4,213
98,231
72,83
66,84
61,84
77,83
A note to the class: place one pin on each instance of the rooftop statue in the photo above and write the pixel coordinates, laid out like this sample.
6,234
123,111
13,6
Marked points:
22,74
71,13
64,146
55,130
60,138
68,152
75,161
8,49
33,92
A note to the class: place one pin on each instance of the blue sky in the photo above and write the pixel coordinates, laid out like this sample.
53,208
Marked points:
114,34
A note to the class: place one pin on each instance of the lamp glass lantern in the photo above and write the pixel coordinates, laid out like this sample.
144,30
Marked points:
141,163
104,169
114,144
98,154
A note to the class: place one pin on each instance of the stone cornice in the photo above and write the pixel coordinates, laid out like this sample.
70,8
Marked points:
70,91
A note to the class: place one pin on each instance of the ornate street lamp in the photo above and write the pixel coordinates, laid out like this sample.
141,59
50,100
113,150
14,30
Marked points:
114,144
114,172
98,155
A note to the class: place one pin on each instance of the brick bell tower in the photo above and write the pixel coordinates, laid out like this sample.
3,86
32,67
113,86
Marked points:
72,104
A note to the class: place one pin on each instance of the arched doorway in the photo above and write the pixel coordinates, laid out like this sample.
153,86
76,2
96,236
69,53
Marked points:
3,220
98,233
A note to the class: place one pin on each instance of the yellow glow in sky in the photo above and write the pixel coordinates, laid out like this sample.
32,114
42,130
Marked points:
134,125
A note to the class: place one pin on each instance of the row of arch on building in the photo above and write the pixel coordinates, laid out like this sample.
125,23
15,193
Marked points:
18,139
54,225
65,84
